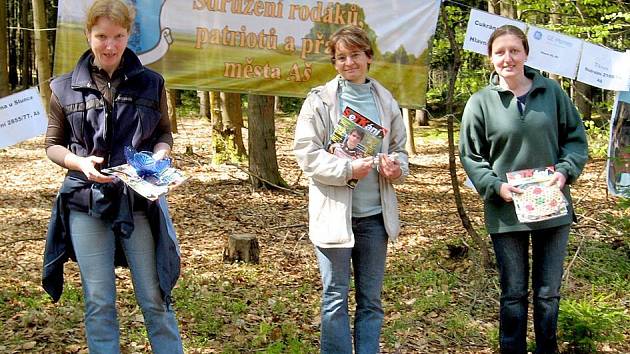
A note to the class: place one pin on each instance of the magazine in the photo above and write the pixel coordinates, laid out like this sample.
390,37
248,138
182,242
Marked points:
150,186
354,137
538,201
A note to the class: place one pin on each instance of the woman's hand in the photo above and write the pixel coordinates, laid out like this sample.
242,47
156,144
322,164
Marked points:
389,168
161,151
87,166
557,179
507,190
361,167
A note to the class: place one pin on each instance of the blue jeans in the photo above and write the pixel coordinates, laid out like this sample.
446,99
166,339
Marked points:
368,263
94,244
548,253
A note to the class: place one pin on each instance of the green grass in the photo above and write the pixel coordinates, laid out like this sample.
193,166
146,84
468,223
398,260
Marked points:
602,266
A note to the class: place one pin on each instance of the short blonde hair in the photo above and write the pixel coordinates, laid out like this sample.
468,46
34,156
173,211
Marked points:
352,37
117,11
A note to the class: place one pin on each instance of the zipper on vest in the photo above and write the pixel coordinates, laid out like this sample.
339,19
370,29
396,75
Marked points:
109,130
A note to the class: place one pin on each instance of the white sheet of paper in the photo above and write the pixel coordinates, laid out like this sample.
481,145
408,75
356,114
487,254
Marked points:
22,116
553,52
481,24
604,68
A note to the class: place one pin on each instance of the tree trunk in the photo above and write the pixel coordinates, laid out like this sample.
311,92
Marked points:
172,112
583,99
554,19
204,104
422,117
227,124
276,104
4,73
263,163
42,57
508,9
216,122
227,136
410,145
483,247
13,44
232,133
493,7
452,76
243,248
27,74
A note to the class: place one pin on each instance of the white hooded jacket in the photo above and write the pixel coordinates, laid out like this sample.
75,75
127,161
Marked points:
330,200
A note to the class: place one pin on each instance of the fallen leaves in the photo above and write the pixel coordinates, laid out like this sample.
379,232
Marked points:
246,308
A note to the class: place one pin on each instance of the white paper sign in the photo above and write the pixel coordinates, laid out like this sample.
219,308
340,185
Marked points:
604,68
481,24
553,52
22,116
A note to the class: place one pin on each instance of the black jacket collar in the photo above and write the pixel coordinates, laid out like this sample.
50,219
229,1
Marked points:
82,78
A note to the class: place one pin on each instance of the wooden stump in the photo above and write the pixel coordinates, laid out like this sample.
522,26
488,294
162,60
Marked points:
241,247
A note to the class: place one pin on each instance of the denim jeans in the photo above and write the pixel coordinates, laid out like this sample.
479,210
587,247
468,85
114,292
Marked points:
368,263
548,253
94,244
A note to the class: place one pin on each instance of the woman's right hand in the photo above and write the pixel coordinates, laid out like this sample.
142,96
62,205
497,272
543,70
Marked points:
507,190
361,167
86,165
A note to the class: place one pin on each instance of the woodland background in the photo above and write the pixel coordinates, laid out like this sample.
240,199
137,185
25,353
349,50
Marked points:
441,289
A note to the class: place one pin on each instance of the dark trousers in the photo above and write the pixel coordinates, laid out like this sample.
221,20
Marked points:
512,253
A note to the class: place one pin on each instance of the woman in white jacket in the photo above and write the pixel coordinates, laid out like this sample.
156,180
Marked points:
351,226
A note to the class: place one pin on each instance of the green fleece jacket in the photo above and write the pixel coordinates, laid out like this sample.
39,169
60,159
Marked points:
496,138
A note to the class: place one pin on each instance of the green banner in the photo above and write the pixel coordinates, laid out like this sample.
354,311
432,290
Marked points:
265,47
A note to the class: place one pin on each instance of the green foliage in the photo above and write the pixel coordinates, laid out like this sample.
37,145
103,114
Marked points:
603,266
291,105
597,139
597,21
280,338
585,324
619,220
188,103
194,301
460,326
493,338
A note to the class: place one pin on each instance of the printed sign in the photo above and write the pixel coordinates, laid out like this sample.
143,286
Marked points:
553,52
604,68
265,47
481,24
22,116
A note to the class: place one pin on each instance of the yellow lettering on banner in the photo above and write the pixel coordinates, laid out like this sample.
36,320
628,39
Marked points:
210,5
257,8
242,38
251,71
313,46
297,76
333,13
289,44
201,37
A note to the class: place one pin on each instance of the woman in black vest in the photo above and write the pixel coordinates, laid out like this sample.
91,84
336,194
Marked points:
108,102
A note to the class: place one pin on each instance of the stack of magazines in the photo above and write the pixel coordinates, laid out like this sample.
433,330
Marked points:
355,137
539,201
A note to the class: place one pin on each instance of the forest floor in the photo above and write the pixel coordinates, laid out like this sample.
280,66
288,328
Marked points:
437,297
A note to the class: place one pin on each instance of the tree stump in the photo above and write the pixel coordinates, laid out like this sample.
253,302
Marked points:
241,247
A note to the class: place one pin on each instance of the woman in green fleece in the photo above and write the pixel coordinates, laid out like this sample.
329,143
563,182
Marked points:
522,120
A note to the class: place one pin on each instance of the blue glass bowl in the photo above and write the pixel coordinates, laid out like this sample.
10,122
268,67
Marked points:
144,163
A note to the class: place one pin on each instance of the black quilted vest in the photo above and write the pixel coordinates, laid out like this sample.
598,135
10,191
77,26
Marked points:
134,115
